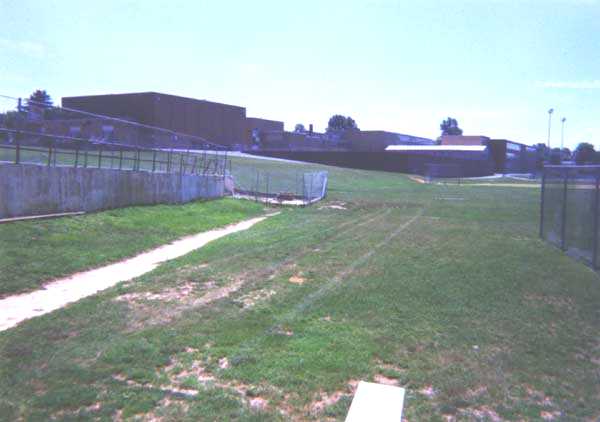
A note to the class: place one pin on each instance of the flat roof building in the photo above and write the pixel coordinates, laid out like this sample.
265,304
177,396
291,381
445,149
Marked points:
215,122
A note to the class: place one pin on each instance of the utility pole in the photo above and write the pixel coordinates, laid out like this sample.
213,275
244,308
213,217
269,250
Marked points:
549,124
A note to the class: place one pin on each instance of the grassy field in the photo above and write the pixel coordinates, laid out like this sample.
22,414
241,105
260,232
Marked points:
37,251
445,290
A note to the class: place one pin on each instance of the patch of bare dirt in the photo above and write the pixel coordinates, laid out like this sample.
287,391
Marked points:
390,367
174,301
169,389
282,331
428,391
197,370
252,298
338,205
297,279
476,392
550,416
258,403
329,399
172,294
485,413
326,400
94,407
382,379
538,396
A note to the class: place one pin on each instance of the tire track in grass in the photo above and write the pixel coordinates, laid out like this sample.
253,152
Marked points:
329,286
340,276
276,244
239,280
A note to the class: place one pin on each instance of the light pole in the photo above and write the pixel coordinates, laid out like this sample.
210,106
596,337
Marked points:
562,133
549,124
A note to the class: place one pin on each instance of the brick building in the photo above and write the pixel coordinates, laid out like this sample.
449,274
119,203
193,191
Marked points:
215,122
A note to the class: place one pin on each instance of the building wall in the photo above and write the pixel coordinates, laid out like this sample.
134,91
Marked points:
378,140
508,156
217,123
265,129
95,129
470,164
463,140
137,107
292,141
513,157
27,189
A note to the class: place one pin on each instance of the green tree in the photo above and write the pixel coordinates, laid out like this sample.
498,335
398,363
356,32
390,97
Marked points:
40,98
584,153
12,119
299,128
450,127
339,123
556,156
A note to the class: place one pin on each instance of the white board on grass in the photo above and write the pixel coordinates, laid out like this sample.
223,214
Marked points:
376,402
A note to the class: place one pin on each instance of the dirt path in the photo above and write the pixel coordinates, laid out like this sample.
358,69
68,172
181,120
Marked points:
57,294
505,185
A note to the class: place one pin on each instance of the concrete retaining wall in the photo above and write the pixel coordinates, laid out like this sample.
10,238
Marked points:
35,190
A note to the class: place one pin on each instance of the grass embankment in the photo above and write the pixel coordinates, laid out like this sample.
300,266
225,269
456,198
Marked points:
33,252
445,290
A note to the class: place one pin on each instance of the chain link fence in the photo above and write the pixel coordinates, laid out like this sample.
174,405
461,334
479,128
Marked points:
569,210
286,186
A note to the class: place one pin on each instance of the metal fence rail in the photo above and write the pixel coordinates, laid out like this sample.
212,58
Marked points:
569,210
26,147
37,133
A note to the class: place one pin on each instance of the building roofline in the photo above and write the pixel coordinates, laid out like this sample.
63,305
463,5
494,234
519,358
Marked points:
464,148
153,93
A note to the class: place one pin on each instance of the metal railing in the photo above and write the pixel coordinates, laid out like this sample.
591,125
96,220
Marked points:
569,209
36,133
27,147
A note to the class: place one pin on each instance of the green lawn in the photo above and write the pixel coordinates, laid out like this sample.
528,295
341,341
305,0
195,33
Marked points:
445,290
33,252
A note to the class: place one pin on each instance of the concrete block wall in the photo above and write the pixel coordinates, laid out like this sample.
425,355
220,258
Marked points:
27,189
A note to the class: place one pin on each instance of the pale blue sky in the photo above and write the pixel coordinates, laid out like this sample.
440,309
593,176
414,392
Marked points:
496,66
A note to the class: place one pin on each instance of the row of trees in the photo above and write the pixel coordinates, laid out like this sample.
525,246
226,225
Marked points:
585,153
339,123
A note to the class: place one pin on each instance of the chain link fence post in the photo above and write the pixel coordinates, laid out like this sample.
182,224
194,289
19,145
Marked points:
563,225
542,198
18,148
49,152
256,187
304,187
595,217
267,194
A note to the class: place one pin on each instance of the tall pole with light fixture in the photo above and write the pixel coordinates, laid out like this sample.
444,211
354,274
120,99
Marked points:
549,124
562,133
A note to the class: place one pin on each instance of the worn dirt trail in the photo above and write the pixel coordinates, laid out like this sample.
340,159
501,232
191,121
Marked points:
58,293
